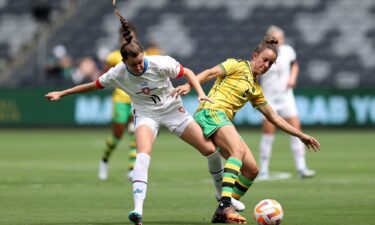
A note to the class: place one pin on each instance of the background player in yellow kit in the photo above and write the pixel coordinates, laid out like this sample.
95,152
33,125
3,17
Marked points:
122,118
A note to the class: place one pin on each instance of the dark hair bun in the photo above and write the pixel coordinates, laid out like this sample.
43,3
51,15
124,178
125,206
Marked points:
271,40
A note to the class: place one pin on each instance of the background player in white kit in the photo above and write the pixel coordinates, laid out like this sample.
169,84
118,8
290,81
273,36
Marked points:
278,84
146,80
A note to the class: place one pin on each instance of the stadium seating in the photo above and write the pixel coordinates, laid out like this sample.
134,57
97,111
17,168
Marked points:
20,24
334,40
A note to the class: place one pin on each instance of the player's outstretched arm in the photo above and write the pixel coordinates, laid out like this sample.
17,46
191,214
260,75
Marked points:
56,95
310,142
193,81
201,77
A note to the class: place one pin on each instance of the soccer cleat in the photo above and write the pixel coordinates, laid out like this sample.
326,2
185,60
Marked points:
237,204
130,174
227,214
103,170
263,176
306,173
135,217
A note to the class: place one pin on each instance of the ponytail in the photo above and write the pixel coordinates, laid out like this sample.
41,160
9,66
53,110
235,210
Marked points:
131,47
126,31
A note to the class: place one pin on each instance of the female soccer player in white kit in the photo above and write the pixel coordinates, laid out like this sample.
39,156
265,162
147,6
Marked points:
147,80
277,85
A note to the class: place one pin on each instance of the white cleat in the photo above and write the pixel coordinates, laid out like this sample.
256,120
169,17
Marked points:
130,174
306,173
103,170
237,204
263,176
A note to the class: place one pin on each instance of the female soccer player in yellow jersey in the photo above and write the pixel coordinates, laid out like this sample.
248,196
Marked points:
236,84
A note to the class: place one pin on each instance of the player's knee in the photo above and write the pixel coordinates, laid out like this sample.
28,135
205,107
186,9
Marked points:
207,150
254,171
250,173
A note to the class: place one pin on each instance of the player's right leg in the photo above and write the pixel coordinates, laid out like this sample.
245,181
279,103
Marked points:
230,141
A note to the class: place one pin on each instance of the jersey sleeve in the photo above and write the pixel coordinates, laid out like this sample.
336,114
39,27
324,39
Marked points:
291,53
108,78
228,66
170,67
257,98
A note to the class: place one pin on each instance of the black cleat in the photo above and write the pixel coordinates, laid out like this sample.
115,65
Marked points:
227,214
135,217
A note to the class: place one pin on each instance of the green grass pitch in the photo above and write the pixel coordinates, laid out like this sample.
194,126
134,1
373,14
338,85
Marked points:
50,177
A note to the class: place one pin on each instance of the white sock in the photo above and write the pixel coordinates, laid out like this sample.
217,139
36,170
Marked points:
298,149
140,177
216,168
265,147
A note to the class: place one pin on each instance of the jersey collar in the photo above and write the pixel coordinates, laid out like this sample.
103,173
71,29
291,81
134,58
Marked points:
145,66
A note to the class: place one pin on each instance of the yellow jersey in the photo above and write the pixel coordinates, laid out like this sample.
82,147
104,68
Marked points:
234,89
118,95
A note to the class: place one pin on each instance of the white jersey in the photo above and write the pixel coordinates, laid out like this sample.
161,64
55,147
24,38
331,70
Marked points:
150,92
274,82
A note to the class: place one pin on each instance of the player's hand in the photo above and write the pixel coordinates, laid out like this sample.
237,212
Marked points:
53,96
181,90
310,142
204,98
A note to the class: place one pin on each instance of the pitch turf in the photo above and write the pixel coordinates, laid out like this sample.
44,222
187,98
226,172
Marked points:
50,177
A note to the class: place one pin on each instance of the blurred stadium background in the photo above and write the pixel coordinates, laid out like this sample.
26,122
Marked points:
48,45
54,44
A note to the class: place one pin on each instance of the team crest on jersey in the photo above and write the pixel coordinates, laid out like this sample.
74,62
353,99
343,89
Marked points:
146,90
181,109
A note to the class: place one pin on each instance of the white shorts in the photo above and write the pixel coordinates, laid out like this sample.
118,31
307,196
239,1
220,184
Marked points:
176,120
285,106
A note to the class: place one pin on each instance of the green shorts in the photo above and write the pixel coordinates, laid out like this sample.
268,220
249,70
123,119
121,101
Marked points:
211,120
121,112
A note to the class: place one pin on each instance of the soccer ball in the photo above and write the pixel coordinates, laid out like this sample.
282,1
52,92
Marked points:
268,212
